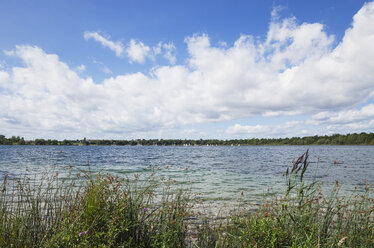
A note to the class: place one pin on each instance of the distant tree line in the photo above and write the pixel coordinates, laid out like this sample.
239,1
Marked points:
336,139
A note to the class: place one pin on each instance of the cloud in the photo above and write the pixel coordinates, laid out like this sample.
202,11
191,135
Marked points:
294,70
2,64
352,119
169,52
106,70
116,47
354,127
102,67
80,68
346,116
292,128
137,51
45,95
4,77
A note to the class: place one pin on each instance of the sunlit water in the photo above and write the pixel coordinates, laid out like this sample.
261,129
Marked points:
219,173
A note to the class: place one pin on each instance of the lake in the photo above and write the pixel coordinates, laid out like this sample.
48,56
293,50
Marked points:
219,173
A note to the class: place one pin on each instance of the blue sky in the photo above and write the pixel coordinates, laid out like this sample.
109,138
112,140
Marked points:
186,69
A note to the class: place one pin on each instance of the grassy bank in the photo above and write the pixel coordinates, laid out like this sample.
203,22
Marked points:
104,211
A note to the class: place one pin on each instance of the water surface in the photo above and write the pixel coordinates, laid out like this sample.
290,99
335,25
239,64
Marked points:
219,173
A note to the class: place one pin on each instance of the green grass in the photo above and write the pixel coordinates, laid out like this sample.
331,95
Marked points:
106,211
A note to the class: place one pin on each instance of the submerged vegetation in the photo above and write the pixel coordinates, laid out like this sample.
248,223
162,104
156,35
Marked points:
106,211
335,139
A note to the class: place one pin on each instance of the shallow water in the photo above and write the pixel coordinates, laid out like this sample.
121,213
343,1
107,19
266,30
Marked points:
219,173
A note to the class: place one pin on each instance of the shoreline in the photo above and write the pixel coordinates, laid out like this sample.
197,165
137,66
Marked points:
80,208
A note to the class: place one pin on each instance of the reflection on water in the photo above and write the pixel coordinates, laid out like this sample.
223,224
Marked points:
218,173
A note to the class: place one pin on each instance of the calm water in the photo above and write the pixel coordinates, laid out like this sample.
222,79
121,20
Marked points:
219,173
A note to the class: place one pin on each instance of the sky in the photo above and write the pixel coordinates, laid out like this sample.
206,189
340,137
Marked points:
186,69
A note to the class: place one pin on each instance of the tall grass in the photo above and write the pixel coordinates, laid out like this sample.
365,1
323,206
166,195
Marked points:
104,211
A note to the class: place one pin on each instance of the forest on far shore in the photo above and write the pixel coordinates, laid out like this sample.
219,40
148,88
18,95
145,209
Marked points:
335,139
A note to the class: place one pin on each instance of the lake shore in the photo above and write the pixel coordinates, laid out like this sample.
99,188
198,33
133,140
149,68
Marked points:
107,211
